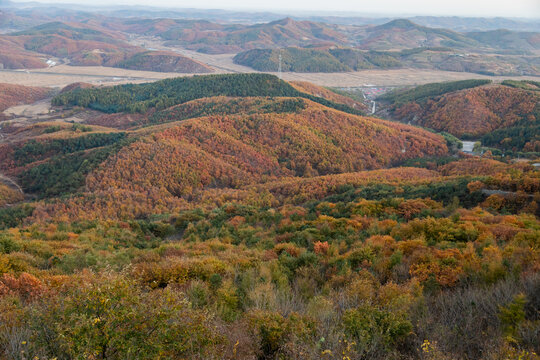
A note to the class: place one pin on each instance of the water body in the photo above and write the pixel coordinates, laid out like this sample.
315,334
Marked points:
468,146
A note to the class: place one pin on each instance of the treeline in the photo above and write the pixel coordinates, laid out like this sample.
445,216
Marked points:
472,113
524,138
359,60
293,60
423,92
66,174
297,59
166,93
34,150
226,106
523,84
447,192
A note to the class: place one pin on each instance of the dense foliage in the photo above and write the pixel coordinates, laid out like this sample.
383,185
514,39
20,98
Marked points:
227,106
169,92
33,150
64,174
423,92
293,59
233,226
11,95
163,62
396,277
471,112
316,60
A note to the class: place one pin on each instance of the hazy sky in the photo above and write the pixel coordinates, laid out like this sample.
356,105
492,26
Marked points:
485,8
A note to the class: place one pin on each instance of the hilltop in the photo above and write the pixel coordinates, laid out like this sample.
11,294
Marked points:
87,45
469,109
349,59
169,92
404,34
316,60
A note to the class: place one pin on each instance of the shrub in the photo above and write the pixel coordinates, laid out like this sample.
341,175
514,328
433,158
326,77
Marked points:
372,327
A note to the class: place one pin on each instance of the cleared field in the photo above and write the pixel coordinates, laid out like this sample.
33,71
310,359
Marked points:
62,75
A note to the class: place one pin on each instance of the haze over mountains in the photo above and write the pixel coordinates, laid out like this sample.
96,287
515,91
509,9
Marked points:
88,38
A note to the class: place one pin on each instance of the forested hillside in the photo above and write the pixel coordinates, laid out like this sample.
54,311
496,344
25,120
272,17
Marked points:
169,92
339,59
467,109
11,95
239,216
86,44
316,60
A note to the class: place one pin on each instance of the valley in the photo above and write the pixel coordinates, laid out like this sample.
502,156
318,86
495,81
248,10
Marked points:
63,75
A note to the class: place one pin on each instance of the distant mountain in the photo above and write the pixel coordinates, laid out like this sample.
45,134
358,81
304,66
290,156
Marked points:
467,24
15,56
87,45
163,61
349,59
506,39
282,33
293,59
209,37
404,34
316,60
456,23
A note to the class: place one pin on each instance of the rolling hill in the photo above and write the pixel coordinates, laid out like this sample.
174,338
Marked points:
164,61
11,95
293,59
14,56
87,45
219,132
215,38
466,112
349,59
316,60
239,216
507,40
404,34
170,92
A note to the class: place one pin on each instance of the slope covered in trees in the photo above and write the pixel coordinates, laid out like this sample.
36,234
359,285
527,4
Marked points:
293,60
339,59
470,112
404,34
164,61
317,60
11,95
14,56
260,224
166,93
87,45
364,273
213,38
238,150
325,93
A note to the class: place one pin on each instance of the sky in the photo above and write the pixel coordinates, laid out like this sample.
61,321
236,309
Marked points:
483,8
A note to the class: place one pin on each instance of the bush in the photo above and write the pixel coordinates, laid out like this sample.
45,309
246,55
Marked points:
376,329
